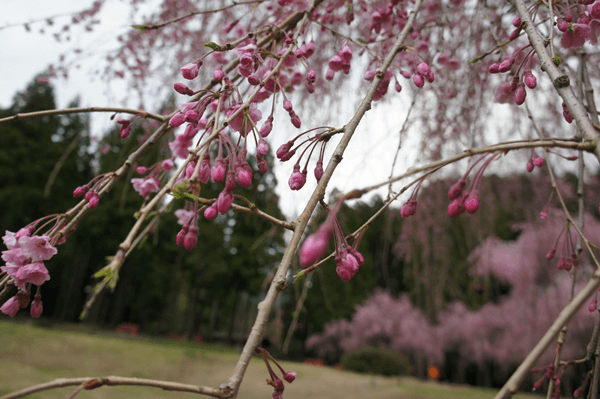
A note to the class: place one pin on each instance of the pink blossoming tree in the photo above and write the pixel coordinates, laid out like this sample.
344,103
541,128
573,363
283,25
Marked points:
242,71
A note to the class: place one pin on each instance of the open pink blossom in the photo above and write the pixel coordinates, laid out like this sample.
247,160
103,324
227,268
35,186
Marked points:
34,273
37,248
145,186
183,216
241,123
10,307
577,37
180,146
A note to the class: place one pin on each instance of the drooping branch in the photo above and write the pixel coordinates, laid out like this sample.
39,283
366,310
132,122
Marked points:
67,111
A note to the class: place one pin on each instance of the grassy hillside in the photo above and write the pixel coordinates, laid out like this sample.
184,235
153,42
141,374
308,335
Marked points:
32,355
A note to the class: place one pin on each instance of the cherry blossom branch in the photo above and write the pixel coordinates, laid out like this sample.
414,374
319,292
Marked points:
119,258
96,382
503,147
191,14
279,281
559,79
67,111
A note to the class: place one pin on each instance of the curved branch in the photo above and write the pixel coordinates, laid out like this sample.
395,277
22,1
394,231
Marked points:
96,382
66,111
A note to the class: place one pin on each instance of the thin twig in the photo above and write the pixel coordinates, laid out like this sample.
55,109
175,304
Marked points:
66,111
96,382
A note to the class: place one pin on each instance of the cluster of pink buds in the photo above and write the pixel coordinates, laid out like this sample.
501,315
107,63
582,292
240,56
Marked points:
516,88
534,160
410,206
568,255
151,183
287,150
24,265
127,125
423,72
91,195
340,62
347,259
467,200
188,235
549,374
383,85
274,380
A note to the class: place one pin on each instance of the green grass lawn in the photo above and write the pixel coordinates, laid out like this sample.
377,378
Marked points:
31,355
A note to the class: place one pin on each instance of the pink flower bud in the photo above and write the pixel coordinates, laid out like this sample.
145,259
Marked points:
93,202
516,22
284,149
538,161
295,120
88,196
263,167
125,132
319,171
290,377
430,77
346,53
398,87
593,305
287,105
167,164
211,212
243,176
505,66
567,116
79,191
418,80
562,25
224,202
310,88
335,63
494,68
530,80
314,247
219,75
423,69
267,127
297,179
550,254
472,202
183,89
311,76
520,95
218,171
263,148
530,166
190,71
253,80
456,208
177,119
514,34
457,189
330,74
36,307
181,235
189,241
